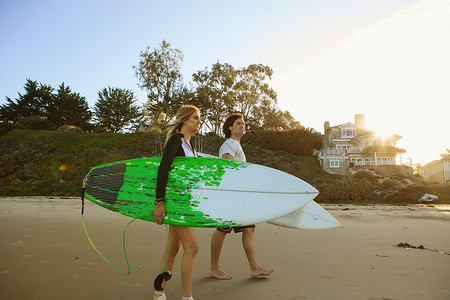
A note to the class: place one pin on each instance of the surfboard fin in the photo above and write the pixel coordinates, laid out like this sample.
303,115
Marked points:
165,276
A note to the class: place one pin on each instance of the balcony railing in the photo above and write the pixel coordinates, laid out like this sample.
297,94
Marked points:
372,163
355,150
334,152
341,152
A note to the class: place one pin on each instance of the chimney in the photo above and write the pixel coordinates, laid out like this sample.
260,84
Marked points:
326,126
360,120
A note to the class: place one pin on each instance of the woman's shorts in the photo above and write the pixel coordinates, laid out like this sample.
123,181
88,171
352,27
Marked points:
236,229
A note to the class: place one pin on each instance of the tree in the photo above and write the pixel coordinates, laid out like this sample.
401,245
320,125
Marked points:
68,108
268,117
215,94
115,109
290,122
159,74
32,103
40,108
253,94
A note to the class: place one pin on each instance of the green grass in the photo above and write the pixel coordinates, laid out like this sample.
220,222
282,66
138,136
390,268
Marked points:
53,163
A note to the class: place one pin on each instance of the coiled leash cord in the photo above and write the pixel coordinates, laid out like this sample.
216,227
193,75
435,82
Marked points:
124,248
165,276
92,244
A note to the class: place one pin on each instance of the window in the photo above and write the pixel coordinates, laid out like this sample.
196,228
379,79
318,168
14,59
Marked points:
384,161
357,161
344,147
348,132
334,163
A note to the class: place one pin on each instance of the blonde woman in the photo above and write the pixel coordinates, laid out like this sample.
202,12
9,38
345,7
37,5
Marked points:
178,143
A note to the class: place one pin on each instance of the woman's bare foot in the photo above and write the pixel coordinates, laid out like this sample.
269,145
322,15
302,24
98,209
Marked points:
260,272
219,274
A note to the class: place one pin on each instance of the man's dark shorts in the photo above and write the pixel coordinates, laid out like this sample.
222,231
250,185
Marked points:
236,229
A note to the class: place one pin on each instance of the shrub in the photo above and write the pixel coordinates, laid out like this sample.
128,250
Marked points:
387,183
348,190
34,123
368,176
300,142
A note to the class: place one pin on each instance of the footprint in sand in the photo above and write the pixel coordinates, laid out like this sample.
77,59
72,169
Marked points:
70,275
130,284
45,261
17,243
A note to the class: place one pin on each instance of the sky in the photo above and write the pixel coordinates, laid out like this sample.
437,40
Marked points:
386,59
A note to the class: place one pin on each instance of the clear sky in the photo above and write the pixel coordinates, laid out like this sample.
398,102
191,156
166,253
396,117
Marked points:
387,59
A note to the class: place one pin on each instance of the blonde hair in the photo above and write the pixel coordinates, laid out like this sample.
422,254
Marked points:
183,114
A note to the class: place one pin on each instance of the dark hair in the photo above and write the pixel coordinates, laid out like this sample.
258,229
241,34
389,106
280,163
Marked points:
229,122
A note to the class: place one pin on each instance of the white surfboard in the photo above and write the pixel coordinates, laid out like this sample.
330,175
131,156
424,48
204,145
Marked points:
310,216
251,193
200,192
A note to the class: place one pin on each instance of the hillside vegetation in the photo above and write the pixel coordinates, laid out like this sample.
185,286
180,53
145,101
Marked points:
54,163
37,162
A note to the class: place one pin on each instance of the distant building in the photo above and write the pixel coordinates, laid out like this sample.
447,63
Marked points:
437,171
350,144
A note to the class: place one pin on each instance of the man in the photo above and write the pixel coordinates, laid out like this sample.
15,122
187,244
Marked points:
234,129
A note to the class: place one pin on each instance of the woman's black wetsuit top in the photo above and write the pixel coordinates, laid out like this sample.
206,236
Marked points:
171,149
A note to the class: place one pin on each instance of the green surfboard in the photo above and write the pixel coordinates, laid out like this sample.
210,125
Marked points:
201,192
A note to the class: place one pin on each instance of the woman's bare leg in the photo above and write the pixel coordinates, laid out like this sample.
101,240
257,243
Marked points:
174,247
187,238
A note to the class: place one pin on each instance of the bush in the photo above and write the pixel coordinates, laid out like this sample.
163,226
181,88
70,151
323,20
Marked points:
368,176
387,184
348,190
300,142
34,123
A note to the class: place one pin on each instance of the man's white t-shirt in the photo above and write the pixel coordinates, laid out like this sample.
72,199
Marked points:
233,148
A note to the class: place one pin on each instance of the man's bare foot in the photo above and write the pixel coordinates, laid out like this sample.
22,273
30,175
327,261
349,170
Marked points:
260,272
219,274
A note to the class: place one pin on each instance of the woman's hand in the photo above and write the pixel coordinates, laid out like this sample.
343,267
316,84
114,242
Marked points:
160,213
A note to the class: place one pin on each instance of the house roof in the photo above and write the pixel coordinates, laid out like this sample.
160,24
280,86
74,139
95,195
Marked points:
430,164
447,157
371,133
366,133
347,125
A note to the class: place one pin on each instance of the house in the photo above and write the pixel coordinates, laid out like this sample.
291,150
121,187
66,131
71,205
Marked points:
351,144
437,171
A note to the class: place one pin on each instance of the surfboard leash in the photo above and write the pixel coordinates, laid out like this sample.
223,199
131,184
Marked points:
92,244
166,275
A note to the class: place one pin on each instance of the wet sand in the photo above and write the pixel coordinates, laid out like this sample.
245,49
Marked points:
44,254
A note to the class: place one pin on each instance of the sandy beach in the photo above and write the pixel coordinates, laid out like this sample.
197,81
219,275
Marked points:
44,254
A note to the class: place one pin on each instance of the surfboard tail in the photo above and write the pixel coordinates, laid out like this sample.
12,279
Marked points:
310,216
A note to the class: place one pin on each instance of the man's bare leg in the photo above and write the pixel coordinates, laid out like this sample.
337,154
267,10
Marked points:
248,242
216,247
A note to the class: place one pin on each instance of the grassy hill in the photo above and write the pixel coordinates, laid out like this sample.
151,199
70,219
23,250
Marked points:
35,162
54,163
